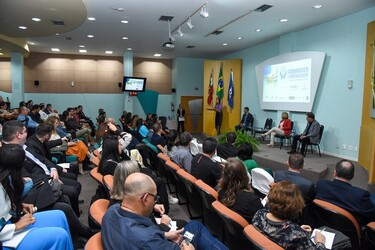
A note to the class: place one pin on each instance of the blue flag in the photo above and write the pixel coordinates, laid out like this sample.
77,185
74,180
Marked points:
230,90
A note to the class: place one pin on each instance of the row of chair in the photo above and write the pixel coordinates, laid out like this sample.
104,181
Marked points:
221,221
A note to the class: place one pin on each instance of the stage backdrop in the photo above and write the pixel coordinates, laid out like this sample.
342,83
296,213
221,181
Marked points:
231,116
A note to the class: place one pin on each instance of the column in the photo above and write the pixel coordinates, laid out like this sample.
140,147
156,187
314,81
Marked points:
17,76
128,71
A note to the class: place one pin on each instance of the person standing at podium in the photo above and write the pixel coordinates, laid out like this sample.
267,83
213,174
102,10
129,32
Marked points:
218,115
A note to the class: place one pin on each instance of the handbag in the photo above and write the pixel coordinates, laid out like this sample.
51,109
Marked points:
44,193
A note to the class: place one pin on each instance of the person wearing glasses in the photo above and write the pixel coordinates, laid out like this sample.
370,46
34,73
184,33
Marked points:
128,226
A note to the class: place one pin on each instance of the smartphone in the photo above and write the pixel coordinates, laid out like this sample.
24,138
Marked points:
187,237
75,140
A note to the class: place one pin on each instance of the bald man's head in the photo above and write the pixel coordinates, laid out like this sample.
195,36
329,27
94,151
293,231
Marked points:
139,194
138,183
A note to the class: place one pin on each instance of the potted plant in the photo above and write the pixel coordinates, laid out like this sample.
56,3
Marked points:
241,138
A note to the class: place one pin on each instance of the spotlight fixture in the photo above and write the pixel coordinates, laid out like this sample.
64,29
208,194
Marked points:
189,24
169,45
204,12
179,31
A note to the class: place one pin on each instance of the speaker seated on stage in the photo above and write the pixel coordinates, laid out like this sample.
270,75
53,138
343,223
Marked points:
309,135
247,117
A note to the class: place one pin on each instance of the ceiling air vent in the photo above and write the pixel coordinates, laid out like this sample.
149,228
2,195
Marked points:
68,38
217,32
166,18
263,8
190,46
58,23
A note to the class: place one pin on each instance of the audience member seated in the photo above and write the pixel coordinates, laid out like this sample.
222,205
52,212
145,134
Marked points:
309,135
77,148
29,104
285,202
128,224
48,110
5,114
293,175
157,137
48,202
245,154
202,165
340,192
123,170
34,114
50,229
172,142
235,191
83,118
42,114
101,117
247,117
112,155
41,167
283,129
227,149
26,119
80,131
182,155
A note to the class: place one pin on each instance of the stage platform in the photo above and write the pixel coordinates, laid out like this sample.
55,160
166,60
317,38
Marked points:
315,167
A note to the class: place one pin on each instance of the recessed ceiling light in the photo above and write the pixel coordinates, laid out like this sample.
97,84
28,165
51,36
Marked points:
1,49
31,43
1,54
36,19
81,46
317,6
91,18
157,55
129,49
258,30
283,20
55,49
82,51
108,51
124,21
225,44
124,38
239,38
90,36
57,34
22,27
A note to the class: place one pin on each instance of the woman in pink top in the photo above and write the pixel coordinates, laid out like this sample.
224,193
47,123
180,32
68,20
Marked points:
283,129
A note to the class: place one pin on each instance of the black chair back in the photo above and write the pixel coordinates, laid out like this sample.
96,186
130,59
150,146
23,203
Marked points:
337,218
268,124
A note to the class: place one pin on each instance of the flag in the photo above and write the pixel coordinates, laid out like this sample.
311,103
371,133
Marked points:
210,90
230,90
220,88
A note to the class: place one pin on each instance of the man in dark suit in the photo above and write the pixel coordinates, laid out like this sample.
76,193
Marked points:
293,175
341,193
227,149
246,120
310,134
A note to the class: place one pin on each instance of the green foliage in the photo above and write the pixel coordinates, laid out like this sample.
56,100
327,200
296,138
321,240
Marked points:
241,138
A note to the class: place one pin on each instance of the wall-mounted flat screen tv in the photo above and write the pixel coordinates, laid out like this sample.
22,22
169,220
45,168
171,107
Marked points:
134,84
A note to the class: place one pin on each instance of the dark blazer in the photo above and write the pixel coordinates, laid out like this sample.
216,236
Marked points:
343,194
313,132
42,152
226,150
248,119
306,186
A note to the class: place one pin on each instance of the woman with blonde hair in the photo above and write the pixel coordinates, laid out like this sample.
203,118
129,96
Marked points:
285,203
235,191
77,148
284,128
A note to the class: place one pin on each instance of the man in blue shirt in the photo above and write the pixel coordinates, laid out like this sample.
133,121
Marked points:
26,119
128,226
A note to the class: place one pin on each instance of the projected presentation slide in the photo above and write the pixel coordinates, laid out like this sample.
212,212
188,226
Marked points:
287,82
133,84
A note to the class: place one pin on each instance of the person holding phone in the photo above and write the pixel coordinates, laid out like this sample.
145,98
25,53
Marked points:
128,224
181,119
